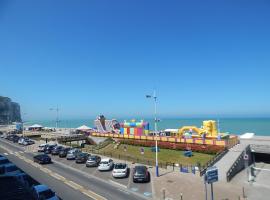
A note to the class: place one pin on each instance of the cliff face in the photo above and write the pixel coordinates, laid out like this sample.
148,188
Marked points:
9,111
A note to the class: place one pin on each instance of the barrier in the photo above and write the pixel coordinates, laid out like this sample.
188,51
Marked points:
228,142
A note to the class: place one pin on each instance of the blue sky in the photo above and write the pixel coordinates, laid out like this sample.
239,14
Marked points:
90,57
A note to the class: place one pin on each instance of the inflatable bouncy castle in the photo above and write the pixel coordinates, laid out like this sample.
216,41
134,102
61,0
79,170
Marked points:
134,128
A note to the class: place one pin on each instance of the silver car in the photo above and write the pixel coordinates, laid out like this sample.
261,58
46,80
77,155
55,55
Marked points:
71,155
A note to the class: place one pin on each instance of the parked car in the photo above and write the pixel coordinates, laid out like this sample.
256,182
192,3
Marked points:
42,159
71,155
120,170
28,142
93,161
141,174
3,161
63,152
57,149
15,138
9,137
106,164
43,192
9,169
82,157
48,149
41,147
25,141
2,134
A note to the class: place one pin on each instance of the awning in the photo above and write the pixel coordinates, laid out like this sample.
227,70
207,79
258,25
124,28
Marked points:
35,126
83,127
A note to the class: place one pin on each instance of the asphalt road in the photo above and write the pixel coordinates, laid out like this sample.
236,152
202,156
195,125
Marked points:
66,181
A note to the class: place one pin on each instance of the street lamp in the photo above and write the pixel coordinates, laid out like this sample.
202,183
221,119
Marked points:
57,115
154,96
22,124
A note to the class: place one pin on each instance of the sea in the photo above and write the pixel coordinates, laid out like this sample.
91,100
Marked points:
238,126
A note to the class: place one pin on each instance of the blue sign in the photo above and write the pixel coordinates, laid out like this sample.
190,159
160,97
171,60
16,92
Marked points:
211,175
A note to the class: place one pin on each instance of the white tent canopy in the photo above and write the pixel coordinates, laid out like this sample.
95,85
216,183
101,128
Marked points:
84,127
36,126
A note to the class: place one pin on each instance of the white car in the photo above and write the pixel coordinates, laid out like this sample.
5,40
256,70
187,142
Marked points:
120,170
21,140
41,147
105,164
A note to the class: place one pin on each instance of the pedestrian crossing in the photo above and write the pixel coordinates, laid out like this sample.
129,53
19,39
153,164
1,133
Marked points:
15,152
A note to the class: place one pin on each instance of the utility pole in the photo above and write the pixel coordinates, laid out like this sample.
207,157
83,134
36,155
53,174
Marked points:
154,97
57,116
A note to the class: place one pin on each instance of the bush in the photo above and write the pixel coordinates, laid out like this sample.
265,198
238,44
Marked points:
209,149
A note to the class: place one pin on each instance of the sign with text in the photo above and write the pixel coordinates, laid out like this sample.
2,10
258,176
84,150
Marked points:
211,175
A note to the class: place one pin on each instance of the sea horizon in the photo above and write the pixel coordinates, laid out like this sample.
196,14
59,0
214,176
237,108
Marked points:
232,125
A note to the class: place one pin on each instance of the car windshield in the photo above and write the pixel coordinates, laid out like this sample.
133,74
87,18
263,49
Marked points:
4,161
104,162
140,170
120,166
11,168
47,194
92,158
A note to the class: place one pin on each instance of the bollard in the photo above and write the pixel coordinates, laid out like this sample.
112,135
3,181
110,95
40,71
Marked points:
181,196
244,195
164,195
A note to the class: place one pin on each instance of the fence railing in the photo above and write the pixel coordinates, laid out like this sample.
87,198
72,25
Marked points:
238,165
212,161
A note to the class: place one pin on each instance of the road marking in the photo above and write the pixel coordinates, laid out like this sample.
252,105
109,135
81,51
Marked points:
11,153
134,189
6,154
45,170
123,191
57,176
74,185
147,194
93,195
21,151
119,184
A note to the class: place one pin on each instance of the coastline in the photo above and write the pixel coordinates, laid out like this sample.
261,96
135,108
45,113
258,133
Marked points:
237,126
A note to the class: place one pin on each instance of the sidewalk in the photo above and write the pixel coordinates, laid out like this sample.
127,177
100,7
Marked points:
191,186
174,182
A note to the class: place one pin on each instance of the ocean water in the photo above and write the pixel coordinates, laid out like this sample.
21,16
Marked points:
259,126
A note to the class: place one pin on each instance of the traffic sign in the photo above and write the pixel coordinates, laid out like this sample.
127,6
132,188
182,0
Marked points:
211,175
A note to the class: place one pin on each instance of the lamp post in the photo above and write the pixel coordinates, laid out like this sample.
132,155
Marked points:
154,97
57,115
22,125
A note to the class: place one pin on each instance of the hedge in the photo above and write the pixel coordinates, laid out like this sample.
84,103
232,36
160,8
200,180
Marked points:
202,148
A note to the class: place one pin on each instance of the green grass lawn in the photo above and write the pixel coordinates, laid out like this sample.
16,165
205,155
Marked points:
165,155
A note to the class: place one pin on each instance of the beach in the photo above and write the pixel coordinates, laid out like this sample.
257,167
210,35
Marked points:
238,126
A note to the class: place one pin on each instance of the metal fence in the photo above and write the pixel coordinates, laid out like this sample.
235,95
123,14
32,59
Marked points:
211,162
239,164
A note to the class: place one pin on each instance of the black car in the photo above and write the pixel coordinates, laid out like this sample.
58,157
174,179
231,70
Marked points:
141,174
82,157
15,138
56,150
63,152
48,149
42,159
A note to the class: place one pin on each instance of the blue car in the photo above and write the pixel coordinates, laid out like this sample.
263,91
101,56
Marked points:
43,192
3,160
9,169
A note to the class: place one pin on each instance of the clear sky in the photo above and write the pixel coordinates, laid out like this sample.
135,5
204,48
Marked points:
92,57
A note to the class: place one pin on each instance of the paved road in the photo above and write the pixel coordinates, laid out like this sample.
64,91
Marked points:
66,181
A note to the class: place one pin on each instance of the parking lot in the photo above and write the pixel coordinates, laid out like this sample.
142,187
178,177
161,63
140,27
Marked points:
144,189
